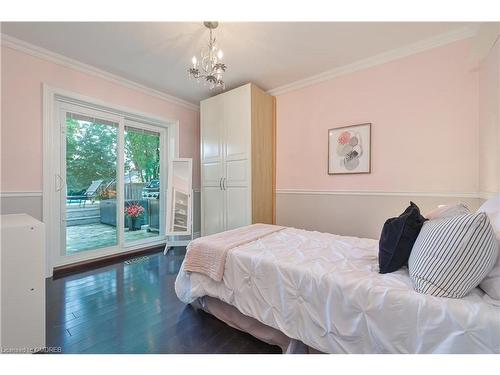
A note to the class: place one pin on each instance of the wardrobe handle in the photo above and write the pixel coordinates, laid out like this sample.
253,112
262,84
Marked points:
224,183
220,183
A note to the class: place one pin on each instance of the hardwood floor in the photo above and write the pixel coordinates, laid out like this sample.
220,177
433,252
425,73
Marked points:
131,307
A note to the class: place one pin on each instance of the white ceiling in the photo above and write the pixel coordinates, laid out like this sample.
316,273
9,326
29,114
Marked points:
269,54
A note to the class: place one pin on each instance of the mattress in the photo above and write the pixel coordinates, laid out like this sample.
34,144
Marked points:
325,290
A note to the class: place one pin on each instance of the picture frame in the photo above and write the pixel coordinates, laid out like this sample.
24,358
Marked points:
349,149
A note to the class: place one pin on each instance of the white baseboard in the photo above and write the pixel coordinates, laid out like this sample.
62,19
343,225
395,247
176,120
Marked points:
184,242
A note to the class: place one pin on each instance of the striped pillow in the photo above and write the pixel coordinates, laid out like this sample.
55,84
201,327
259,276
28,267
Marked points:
447,210
451,256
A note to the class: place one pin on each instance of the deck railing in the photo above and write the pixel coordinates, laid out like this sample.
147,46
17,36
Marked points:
134,190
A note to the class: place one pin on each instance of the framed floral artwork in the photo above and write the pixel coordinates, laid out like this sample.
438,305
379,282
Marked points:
349,149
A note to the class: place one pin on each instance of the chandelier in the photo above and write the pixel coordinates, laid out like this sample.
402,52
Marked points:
209,67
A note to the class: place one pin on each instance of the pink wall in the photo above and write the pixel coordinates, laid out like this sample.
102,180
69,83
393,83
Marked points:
489,121
22,78
424,115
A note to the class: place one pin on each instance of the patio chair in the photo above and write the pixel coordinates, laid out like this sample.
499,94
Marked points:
90,193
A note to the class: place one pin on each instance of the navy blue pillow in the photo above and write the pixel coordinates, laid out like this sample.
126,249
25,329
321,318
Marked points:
397,239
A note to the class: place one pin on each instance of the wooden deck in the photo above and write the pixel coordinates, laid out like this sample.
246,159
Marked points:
93,236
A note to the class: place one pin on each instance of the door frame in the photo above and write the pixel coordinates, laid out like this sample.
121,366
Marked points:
51,164
164,178
59,152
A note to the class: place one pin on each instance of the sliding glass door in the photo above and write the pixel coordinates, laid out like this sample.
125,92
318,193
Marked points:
142,183
112,182
90,166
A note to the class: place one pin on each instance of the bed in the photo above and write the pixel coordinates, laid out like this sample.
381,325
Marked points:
324,292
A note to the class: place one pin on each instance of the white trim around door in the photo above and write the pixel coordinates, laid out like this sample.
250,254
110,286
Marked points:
52,100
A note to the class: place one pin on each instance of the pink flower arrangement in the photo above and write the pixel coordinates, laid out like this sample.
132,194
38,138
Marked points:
344,137
134,210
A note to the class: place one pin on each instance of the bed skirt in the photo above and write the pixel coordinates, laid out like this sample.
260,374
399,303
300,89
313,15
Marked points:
234,318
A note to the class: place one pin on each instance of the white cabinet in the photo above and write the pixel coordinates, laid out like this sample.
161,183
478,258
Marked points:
237,123
237,209
212,133
23,282
237,159
212,209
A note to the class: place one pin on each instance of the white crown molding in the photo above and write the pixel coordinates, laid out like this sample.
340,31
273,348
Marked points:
487,36
381,193
382,58
42,53
20,194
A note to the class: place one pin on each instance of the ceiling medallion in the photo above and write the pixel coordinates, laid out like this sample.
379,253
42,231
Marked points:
209,67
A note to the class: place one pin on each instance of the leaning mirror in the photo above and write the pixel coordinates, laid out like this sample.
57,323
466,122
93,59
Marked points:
179,207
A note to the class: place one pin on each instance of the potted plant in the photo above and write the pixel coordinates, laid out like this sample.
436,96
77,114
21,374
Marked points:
134,212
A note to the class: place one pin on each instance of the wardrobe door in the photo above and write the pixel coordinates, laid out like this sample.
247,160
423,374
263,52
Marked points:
212,135
212,210
212,171
237,124
237,208
237,138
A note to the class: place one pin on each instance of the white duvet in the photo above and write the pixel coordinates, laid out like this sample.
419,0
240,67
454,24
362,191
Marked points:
325,290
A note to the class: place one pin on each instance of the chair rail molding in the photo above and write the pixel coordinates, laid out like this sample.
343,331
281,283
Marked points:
481,194
387,193
487,194
20,194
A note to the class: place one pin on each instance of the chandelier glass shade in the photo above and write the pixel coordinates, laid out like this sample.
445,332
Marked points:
209,68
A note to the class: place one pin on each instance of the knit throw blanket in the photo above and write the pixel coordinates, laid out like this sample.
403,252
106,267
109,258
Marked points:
207,255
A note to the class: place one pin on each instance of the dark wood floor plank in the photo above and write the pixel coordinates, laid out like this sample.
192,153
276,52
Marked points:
132,308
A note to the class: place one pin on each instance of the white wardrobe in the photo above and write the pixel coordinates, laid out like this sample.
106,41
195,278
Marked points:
237,159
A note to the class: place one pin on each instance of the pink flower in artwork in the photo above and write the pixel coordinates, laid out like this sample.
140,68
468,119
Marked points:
344,137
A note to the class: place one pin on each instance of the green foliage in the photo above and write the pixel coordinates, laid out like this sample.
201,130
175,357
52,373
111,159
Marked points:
142,154
91,154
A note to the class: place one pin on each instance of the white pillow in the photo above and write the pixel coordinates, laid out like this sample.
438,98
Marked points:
491,283
447,210
451,256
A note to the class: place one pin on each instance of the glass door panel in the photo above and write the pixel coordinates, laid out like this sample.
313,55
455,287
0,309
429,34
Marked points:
143,201
90,171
